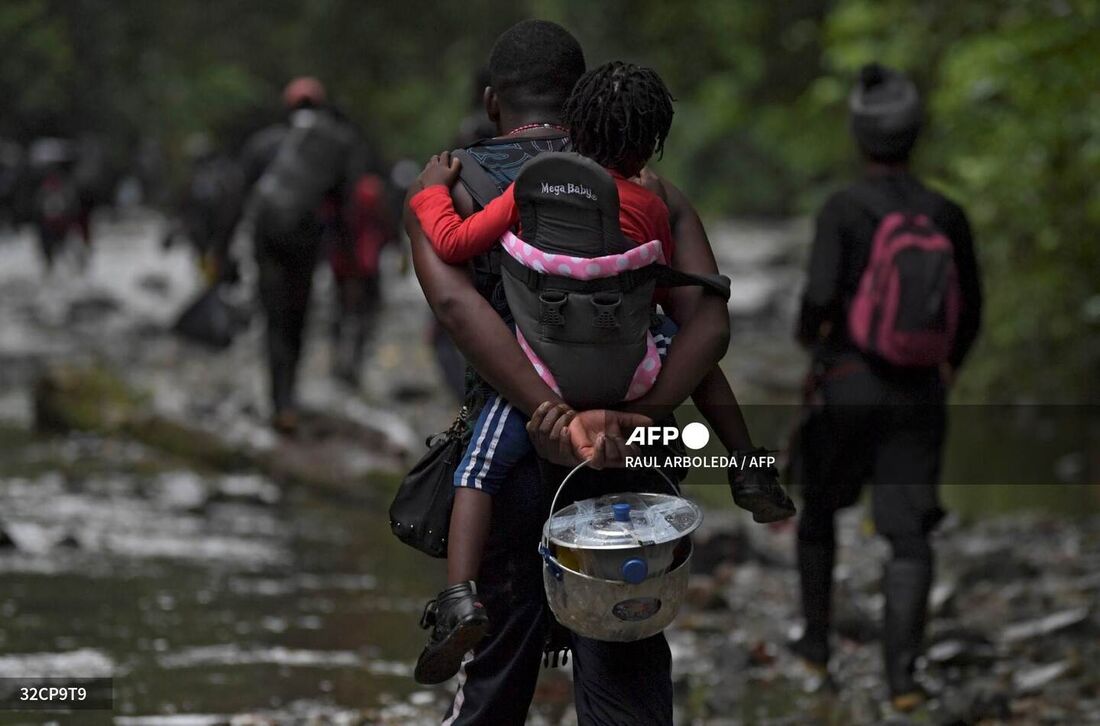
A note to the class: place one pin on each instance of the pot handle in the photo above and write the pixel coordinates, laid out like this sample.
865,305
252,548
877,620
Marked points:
578,467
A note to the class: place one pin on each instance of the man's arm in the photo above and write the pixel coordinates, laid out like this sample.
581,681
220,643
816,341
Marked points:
820,298
970,284
703,319
473,325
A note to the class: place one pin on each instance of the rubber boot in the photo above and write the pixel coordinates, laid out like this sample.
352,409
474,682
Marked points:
905,584
815,569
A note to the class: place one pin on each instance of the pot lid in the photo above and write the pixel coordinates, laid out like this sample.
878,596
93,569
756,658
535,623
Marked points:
615,521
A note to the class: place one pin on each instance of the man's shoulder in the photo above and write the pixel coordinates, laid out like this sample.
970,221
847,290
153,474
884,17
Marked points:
944,203
841,200
463,202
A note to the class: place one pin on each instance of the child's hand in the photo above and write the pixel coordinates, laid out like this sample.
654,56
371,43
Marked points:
600,436
441,169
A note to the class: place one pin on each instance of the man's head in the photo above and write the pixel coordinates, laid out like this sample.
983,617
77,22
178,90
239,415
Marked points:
532,68
619,115
303,92
885,114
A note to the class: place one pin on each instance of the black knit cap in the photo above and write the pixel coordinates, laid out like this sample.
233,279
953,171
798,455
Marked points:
885,113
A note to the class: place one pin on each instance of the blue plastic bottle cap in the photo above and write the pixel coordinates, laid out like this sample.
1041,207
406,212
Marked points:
634,570
622,511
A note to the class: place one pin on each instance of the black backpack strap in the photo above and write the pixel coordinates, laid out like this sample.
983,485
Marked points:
477,181
711,284
484,189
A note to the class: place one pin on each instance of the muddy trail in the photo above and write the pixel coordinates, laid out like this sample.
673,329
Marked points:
270,590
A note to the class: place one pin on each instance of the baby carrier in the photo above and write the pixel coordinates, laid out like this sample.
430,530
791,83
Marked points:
581,293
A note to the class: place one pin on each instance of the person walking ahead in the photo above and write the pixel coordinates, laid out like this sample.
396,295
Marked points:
292,168
890,310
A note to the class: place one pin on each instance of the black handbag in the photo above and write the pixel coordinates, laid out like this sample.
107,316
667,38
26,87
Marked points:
420,515
212,319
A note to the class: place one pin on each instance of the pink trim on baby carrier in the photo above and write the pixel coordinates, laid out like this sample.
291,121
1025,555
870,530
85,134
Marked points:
645,375
590,268
582,268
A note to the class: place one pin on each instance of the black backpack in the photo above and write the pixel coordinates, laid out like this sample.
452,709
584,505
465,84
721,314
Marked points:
310,161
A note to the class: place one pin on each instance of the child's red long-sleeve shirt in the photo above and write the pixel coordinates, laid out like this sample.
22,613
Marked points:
642,216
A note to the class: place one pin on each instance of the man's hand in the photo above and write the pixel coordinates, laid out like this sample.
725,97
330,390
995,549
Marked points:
600,436
549,433
562,436
440,169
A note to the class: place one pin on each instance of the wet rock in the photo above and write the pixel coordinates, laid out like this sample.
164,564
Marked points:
704,593
731,656
763,653
278,655
409,392
92,308
191,719
82,663
330,450
752,296
180,490
37,539
247,489
941,600
713,547
977,701
855,624
1003,565
1029,629
155,284
960,647
69,541
1032,680
188,442
758,244
68,398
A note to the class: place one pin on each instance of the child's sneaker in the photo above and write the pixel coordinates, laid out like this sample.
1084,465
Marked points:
458,621
757,490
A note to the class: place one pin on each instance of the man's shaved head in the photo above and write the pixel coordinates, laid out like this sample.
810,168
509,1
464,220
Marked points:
534,65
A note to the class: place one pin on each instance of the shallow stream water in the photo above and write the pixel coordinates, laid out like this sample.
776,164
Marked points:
219,597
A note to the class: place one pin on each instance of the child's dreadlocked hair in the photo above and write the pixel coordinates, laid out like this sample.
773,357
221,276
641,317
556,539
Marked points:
619,115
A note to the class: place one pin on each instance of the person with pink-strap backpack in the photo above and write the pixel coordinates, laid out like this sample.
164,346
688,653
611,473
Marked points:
891,308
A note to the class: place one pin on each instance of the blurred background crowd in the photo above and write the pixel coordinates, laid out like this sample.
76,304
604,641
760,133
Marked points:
152,525
140,91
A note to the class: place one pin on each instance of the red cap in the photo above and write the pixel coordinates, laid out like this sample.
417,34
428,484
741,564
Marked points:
304,89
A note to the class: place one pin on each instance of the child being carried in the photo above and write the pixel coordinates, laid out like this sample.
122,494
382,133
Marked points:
583,277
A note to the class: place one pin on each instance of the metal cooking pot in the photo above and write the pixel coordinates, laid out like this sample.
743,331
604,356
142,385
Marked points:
617,579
